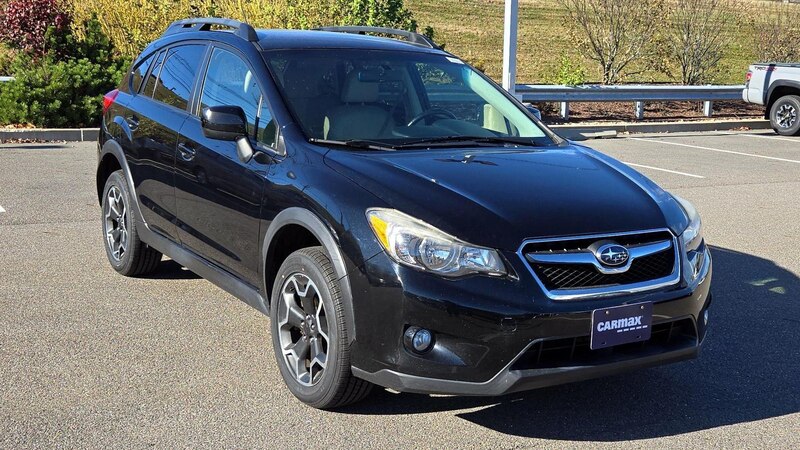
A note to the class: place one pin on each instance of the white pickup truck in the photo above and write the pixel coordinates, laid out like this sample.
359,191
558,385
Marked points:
776,86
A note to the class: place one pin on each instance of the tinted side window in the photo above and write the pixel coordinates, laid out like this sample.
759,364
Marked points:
177,76
153,77
230,82
138,73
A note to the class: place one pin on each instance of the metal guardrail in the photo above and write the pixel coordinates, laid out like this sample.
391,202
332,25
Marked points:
638,94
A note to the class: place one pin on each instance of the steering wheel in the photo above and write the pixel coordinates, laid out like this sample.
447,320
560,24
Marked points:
430,114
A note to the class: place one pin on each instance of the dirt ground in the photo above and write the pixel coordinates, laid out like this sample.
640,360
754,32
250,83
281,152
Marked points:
655,111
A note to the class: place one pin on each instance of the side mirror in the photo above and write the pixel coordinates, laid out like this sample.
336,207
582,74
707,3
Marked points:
535,111
226,123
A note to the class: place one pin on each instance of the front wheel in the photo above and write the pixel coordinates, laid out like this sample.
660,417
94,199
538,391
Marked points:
785,115
309,333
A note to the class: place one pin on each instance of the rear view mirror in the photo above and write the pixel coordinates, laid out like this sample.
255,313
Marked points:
226,123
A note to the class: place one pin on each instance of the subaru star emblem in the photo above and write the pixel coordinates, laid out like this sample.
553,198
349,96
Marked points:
612,255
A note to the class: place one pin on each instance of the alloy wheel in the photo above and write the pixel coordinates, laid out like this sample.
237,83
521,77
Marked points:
116,226
786,115
303,329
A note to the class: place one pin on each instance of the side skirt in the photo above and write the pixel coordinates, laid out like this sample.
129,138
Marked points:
199,265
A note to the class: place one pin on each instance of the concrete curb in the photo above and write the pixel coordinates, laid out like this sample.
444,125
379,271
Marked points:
581,132
576,132
51,134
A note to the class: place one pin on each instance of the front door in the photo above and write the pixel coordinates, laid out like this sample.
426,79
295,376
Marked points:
219,197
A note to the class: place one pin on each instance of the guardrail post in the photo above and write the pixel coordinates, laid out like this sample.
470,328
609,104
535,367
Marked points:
564,110
639,110
708,107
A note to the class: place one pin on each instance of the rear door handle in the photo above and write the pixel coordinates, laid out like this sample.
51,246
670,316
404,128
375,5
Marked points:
187,153
133,122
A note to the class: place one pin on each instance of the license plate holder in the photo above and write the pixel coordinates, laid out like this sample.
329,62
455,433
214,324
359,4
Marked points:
619,325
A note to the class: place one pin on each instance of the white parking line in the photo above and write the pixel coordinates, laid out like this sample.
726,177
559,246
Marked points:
717,150
768,137
664,170
1,209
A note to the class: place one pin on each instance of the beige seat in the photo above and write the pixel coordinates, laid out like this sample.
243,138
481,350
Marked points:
359,117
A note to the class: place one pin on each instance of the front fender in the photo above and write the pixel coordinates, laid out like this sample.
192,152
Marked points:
308,220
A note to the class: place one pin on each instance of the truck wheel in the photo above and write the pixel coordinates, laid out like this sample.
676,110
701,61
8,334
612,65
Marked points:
309,333
127,254
785,115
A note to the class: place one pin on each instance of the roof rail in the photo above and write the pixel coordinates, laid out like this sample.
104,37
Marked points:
414,38
241,29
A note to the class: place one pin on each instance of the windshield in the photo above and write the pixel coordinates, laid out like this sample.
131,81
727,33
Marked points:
396,98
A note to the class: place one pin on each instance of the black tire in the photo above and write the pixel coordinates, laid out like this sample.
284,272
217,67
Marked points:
137,258
785,115
334,385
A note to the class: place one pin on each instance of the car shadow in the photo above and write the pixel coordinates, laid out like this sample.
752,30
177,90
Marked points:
28,146
170,270
748,370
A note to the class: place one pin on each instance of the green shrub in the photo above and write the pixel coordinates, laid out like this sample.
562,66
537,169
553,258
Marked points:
570,73
65,87
7,57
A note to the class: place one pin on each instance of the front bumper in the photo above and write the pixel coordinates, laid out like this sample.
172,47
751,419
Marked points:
509,380
496,336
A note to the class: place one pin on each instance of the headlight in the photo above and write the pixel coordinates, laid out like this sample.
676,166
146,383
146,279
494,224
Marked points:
414,243
692,242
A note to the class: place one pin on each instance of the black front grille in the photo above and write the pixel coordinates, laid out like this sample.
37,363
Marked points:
577,276
575,351
573,276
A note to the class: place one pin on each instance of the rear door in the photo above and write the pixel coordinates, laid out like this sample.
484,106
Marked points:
218,196
155,115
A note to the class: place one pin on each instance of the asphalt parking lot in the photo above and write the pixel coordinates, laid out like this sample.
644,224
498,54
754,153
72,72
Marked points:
91,359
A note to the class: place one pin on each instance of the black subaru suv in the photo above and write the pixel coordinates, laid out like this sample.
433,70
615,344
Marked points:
403,220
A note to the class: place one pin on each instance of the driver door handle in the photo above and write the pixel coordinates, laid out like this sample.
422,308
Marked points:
187,153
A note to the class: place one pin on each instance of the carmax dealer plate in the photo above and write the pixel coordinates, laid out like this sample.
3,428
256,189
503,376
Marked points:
621,325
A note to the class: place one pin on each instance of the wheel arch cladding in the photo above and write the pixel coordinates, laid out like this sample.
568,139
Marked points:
108,164
779,89
306,230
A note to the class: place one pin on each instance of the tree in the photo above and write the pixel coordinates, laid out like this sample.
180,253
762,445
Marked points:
778,33
617,34
697,39
24,24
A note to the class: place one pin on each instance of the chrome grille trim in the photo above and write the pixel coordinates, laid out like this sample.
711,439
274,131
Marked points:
597,292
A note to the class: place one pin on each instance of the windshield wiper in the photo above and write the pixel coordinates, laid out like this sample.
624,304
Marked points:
466,140
355,143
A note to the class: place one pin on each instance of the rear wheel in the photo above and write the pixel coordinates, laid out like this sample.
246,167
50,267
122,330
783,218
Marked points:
785,115
309,333
127,254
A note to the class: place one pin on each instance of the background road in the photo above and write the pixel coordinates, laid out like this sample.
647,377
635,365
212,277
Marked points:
89,358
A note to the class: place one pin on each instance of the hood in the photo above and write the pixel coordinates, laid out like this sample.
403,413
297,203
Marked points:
498,197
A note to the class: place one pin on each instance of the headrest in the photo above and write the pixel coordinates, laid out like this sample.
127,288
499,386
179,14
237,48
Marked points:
357,91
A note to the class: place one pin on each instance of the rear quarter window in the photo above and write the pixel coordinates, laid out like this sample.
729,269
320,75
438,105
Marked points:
136,77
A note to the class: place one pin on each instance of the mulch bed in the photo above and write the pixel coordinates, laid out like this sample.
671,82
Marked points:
653,112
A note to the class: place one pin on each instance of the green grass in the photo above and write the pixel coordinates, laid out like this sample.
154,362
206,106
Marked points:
473,30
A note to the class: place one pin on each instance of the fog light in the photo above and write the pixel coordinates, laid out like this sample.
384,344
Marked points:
705,318
418,339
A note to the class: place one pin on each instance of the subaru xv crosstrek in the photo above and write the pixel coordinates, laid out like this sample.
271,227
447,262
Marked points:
403,220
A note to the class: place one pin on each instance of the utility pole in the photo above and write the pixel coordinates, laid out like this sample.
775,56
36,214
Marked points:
510,45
